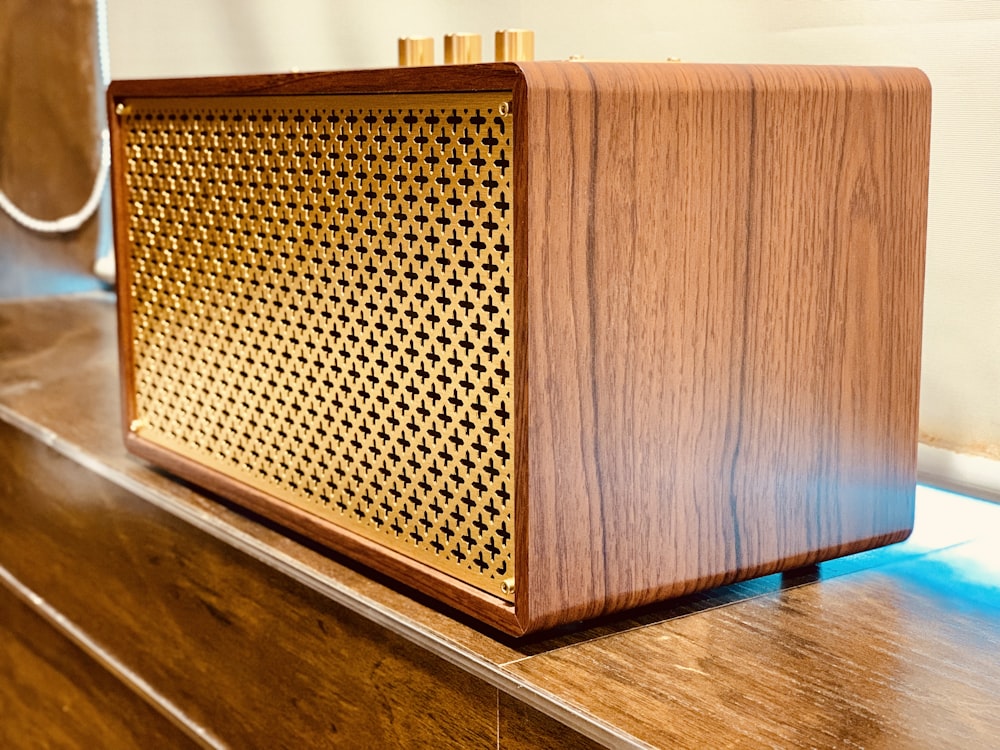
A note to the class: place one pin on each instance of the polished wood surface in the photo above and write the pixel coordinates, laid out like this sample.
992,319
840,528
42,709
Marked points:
521,727
718,285
205,622
875,660
53,695
49,139
895,647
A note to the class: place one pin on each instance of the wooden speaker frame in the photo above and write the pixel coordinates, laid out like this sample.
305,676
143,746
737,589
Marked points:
717,294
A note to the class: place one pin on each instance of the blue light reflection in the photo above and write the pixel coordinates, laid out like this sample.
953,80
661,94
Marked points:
962,538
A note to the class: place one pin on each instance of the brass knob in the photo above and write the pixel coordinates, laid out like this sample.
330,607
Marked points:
514,44
460,49
415,51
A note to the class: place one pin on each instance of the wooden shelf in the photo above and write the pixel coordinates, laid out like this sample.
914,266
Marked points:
237,633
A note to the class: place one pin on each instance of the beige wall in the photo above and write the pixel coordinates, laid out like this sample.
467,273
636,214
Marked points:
957,42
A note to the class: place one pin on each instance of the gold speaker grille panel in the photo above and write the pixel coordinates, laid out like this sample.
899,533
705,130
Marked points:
322,294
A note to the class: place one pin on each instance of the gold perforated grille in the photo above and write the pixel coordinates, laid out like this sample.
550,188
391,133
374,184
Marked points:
322,308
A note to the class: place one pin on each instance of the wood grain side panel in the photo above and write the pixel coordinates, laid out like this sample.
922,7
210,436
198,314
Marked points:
826,452
254,657
724,318
636,273
52,694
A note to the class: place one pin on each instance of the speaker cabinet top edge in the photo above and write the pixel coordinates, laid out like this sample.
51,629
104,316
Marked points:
445,78
471,78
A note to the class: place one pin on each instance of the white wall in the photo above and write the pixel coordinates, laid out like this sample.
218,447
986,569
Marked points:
956,42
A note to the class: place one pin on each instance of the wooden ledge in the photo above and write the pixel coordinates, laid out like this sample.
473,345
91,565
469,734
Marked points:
247,630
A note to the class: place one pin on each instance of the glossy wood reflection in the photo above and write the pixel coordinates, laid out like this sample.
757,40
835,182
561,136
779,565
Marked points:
523,728
216,631
52,694
878,659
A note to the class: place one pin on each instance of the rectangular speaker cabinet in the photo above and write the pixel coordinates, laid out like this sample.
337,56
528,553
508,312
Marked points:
542,340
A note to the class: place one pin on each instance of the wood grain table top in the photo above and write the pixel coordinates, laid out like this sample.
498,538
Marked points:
895,648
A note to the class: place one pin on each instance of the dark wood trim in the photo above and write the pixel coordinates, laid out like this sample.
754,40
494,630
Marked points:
444,78
123,263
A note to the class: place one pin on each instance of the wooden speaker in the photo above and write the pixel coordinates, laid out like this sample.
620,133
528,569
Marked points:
542,340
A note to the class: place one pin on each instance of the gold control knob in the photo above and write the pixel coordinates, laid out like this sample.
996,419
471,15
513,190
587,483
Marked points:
415,51
514,44
461,49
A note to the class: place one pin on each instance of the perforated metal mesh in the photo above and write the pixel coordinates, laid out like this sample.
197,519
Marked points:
322,308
